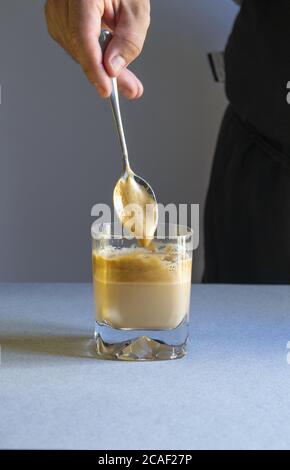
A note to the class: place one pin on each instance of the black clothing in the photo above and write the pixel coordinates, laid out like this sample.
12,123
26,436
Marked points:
247,216
257,60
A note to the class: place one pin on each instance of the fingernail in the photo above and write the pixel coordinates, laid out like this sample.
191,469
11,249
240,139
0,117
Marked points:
117,62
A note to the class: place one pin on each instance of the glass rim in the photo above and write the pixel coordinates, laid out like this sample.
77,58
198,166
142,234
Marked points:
98,231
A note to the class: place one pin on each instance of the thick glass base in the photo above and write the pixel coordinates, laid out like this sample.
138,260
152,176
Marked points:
140,345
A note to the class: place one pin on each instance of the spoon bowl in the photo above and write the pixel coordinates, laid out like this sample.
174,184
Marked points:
136,207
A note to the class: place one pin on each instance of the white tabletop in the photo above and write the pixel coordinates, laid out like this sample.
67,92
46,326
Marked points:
230,392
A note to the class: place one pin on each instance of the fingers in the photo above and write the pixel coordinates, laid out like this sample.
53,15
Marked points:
129,35
90,57
129,85
76,24
85,26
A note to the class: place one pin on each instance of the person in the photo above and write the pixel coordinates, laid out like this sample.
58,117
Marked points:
247,223
247,214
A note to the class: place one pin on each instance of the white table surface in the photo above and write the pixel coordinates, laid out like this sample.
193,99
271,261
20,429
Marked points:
232,391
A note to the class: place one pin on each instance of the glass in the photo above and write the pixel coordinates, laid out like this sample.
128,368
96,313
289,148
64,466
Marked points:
142,295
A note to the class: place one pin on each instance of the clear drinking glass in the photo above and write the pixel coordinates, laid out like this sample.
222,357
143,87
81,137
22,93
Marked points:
142,295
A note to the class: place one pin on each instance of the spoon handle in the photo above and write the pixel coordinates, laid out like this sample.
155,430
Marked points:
105,37
115,105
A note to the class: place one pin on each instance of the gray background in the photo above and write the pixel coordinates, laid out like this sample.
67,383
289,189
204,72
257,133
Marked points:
58,151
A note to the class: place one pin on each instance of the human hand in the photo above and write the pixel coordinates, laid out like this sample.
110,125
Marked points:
76,26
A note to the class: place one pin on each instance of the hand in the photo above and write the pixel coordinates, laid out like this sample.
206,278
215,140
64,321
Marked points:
76,25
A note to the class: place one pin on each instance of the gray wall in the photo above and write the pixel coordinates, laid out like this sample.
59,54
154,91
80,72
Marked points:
58,151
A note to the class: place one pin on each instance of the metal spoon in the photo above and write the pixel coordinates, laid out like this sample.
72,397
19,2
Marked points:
130,188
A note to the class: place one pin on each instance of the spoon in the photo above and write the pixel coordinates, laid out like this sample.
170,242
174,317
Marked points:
132,194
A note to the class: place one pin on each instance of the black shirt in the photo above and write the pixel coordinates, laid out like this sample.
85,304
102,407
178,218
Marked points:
258,69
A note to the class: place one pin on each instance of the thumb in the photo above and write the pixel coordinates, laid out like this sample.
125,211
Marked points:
129,36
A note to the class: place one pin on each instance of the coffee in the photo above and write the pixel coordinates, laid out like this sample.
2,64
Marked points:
139,289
